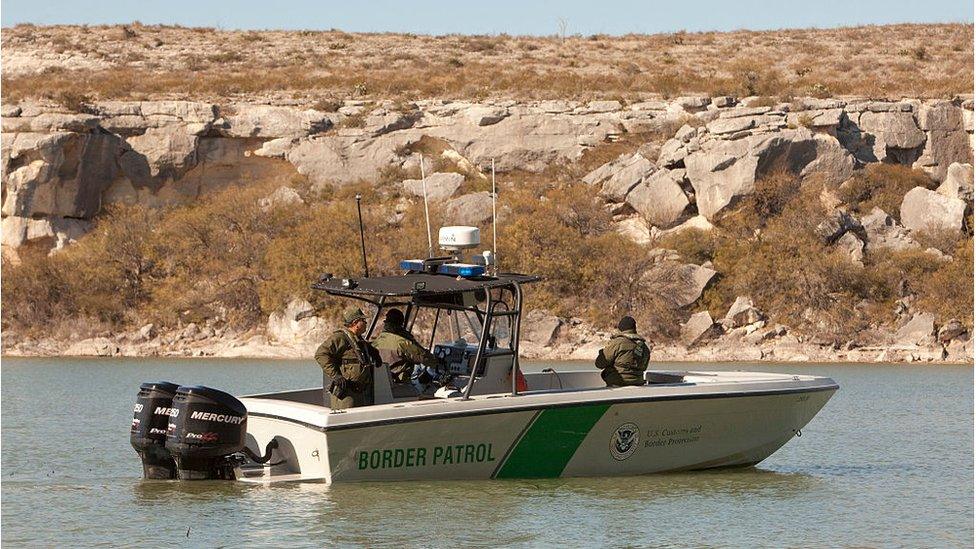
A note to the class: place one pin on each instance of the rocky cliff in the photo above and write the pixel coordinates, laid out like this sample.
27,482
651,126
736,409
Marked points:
60,169
692,161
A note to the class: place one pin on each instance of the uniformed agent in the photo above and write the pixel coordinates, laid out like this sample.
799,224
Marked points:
624,359
398,348
349,361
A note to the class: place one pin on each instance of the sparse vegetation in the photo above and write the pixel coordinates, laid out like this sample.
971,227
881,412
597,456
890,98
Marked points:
224,258
883,186
191,63
768,249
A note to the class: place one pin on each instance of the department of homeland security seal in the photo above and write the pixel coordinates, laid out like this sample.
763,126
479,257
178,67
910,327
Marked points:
623,441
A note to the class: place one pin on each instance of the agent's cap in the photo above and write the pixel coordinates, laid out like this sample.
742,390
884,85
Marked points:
352,314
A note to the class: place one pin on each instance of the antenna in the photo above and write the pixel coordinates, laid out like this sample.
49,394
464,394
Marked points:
423,181
494,219
362,235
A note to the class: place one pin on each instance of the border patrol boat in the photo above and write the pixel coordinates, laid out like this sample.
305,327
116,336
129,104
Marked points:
484,418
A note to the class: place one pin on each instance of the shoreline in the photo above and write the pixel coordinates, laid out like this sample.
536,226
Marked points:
258,346
785,363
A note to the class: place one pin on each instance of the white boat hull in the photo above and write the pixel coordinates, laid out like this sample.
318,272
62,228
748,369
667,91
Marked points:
600,432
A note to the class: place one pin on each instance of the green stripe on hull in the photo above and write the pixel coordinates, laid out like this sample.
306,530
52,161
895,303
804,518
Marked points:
551,442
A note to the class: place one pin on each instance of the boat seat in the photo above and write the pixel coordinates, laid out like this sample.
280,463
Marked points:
404,390
653,377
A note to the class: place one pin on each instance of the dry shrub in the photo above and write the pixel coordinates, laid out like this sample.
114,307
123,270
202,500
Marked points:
942,287
944,240
768,249
770,197
36,292
694,245
74,101
883,186
103,278
210,254
588,271
949,291
327,241
764,101
578,208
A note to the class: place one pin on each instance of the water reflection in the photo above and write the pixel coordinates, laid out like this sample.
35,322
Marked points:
150,492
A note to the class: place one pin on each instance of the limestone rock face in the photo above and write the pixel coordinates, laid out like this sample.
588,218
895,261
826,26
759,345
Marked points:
939,115
440,186
59,174
470,209
272,122
659,199
682,284
486,116
727,170
832,162
697,222
951,330
816,118
281,197
943,148
960,350
922,209
602,106
296,323
742,313
339,160
634,228
275,148
837,223
58,165
526,140
958,182
698,328
96,346
163,152
881,231
617,177
54,232
540,328
853,246
891,132
917,331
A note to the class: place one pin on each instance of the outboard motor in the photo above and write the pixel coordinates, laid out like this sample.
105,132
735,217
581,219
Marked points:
150,419
207,427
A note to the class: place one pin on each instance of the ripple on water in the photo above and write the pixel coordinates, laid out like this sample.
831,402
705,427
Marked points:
887,462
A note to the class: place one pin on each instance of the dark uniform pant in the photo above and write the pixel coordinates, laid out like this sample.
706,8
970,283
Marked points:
613,378
353,399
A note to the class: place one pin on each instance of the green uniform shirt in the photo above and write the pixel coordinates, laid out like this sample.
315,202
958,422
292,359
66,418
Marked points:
338,357
400,350
624,359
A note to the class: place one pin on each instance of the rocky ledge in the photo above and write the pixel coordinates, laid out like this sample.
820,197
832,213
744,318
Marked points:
744,335
699,156
60,169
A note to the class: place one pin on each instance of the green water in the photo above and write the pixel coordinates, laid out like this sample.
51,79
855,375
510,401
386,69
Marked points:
888,462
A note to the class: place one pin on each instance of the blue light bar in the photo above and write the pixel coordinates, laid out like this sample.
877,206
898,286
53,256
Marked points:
412,264
461,269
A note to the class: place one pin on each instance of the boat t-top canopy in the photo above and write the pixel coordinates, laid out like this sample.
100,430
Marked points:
455,293
417,284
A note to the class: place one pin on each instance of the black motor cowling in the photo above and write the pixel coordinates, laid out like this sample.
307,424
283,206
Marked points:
150,420
206,427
